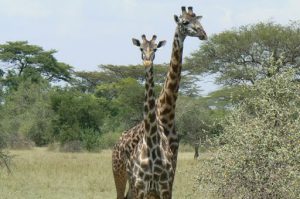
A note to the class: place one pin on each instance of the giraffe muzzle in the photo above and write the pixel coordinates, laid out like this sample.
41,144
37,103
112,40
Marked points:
203,36
147,63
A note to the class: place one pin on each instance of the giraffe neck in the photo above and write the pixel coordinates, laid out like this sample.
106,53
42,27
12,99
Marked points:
151,131
166,102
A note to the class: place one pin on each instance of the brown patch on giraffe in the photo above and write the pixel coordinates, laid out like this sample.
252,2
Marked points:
146,109
153,154
172,86
141,173
158,162
164,176
172,116
166,131
165,111
140,185
173,140
158,153
149,142
151,104
157,169
168,166
154,128
177,58
172,75
135,169
162,100
150,92
155,139
168,99
147,177
164,120
156,177
147,126
175,98
152,118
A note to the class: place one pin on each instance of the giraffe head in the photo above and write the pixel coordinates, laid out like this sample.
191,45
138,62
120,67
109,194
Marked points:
148,48
189,24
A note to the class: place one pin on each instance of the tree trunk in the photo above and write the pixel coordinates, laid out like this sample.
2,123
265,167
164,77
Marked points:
196,155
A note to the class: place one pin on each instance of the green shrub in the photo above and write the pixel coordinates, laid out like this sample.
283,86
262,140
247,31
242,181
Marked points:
78,117
71,146
108,140
19,141
258,154
26,115
90,139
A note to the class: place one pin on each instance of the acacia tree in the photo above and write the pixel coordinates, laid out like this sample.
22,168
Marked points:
241,56
88,81
198,118
21,60
193,125
258,153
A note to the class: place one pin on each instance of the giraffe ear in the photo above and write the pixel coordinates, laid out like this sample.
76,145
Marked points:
136,42
161,43
176,18
199,17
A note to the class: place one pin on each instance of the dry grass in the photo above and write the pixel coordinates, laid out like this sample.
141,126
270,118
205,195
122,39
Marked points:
39,173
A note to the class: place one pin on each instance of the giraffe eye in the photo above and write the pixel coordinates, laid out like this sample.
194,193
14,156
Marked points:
185,22
141,49
155,50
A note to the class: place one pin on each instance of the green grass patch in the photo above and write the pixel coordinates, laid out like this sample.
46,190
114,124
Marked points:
40,173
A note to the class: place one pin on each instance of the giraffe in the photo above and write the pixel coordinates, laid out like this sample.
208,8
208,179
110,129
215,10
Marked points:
187,25
124,149
150,167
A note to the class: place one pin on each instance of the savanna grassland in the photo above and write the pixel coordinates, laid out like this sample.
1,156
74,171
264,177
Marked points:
39,173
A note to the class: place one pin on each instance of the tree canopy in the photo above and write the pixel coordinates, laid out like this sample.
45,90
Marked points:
20,59
241,55
257,156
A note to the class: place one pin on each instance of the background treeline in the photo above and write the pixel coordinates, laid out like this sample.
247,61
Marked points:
45,102
252,124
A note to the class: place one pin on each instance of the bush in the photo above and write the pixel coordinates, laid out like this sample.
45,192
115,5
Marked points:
78,117
71,146
259,152
108,140
91,139
18,141
26,115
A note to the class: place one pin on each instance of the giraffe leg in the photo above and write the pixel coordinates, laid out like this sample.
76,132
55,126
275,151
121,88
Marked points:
119,173
120,182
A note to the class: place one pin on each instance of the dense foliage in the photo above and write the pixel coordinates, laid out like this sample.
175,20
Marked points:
240,55
258,153
22,60
88,112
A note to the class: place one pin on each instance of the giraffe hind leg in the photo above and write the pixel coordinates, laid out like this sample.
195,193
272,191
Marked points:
119,174
120,182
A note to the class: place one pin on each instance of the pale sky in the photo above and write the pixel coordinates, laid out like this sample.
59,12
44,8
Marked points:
88,33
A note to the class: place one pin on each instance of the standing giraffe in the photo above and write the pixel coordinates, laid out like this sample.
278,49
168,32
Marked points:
150,167
123,159
187,25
